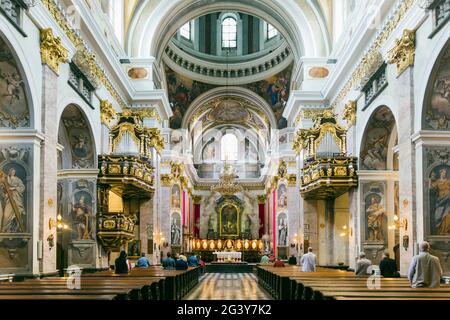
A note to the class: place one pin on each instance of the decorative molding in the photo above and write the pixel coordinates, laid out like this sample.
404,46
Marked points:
85,61
52,51
292,180
149,113
349,113
403,53
359,73
196,199
262,199
107,113
60,18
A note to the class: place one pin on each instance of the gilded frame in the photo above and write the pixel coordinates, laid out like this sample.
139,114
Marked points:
238,219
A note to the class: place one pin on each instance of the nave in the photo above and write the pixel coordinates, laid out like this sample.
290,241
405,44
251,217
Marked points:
228,286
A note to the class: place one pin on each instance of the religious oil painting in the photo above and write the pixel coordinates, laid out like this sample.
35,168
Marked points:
14,110
175,229
176,196
437,185
134,248
437,111
374,208
15,207
82,217
374,149
229,220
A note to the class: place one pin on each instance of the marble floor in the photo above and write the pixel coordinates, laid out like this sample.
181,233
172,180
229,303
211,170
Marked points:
228,286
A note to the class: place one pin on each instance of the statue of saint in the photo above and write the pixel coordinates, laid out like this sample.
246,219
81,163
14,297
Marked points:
81,215
282,231
175,233
375,220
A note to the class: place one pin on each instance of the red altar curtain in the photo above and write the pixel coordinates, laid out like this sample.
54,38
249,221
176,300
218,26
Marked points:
262,220
196,220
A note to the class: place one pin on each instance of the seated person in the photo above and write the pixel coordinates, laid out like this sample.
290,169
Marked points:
278,264
272,258
292,260
193,261
388,267
265,259
143,262
362,265
121,263
181,264
168,263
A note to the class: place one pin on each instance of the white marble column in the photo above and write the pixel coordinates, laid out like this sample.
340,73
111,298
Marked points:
48,173
407,169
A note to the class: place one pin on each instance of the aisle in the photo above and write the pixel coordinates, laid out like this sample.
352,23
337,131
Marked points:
228,286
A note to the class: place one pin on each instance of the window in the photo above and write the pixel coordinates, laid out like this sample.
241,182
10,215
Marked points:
229,147
271,31
185,31
229,33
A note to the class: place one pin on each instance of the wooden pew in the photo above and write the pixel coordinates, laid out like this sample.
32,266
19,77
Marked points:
56,297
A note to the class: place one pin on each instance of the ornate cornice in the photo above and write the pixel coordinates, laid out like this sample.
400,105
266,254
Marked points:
166,180
76,39
52,51
403,53
359,73
349,113
107,113
85,61
150,113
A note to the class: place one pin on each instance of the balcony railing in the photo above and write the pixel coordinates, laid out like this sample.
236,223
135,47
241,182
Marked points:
327,178
115,229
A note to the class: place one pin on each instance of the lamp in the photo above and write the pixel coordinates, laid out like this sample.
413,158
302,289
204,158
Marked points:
399,223
58,224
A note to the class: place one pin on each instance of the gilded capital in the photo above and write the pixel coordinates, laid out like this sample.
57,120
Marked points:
166,180
197,199
52,51
292,180
262,199
155,138
107,112
403,53
349,113
87,63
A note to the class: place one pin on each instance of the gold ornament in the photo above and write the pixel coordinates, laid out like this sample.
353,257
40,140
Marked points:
107,112
52,51
350,114
403,53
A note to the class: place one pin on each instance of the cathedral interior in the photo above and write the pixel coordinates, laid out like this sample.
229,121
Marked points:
229,130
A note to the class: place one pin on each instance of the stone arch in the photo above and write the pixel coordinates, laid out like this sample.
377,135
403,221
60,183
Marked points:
16,104
76,139
376,142
436,104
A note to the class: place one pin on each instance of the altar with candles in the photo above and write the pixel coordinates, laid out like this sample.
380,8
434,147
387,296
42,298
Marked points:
229,257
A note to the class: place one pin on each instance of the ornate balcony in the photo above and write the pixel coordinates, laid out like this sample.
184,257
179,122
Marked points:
327,172
127,176
328,177
115,229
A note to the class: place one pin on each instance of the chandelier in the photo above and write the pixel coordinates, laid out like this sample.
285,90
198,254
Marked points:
227,182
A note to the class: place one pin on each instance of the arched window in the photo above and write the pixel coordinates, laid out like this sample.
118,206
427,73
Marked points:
229,33
229,147
185,31
271,31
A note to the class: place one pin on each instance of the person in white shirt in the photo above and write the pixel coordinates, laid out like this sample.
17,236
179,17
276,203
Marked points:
308,261
362,265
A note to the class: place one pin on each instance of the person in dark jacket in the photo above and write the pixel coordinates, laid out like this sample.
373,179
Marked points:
169,262
180,264
292,260
121,265
193,261
388,267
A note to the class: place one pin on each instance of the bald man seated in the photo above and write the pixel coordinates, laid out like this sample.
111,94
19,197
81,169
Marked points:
425,270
